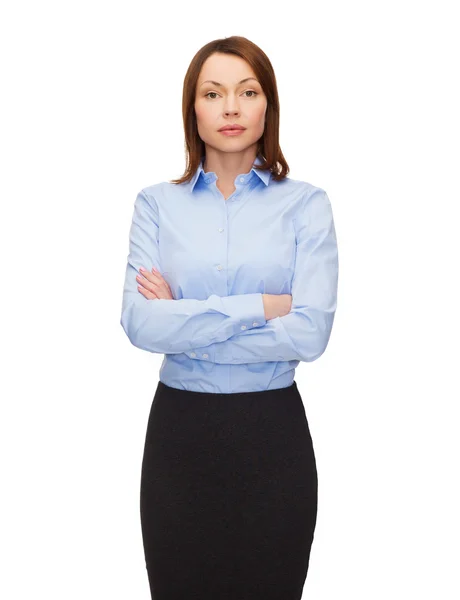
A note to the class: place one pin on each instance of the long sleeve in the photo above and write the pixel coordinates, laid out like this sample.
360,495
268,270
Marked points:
174,326
304,333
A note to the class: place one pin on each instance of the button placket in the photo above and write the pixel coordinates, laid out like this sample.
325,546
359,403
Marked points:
219,267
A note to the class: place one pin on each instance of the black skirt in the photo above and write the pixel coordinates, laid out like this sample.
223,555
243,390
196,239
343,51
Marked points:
228,496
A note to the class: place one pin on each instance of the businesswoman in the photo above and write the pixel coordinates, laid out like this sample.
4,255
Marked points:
232,275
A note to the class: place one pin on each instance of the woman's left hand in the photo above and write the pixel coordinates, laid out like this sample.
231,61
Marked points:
153,285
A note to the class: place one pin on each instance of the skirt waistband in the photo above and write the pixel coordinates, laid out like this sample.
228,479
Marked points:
171,391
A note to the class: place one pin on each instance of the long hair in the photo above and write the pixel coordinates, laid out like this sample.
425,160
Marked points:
268,145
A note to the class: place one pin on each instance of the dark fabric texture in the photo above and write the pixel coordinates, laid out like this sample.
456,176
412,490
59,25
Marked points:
228,498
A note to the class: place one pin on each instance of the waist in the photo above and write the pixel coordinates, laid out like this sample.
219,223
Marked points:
213,378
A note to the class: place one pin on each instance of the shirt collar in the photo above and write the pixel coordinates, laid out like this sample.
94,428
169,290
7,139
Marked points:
241,178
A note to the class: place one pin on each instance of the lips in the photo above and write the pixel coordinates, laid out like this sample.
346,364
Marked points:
231,127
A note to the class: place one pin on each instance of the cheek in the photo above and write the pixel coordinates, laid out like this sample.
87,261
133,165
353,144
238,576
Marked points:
259,116
201,108
205,115
199,112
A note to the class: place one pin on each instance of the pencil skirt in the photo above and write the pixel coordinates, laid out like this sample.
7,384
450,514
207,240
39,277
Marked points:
228,497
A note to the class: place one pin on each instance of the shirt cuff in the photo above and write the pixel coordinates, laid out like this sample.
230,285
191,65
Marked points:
247,310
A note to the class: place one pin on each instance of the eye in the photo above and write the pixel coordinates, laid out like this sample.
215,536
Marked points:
246,92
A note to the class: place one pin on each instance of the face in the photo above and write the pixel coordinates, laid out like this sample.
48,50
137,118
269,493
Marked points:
231,102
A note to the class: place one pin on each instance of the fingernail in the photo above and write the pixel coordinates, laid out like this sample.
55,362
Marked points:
141,269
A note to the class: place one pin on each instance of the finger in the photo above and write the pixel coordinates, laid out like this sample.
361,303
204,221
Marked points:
147,274
145,282
150,284
160,280
145,292
159,285
157,273
154,277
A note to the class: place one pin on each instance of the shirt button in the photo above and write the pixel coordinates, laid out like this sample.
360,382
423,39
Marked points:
242,179
255,324
219,267
205,355
220,230
193,354
243,326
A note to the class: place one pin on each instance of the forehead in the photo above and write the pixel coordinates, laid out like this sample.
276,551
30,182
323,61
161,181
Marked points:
246,80
226,69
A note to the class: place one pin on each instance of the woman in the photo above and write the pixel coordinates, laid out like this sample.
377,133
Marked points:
232,275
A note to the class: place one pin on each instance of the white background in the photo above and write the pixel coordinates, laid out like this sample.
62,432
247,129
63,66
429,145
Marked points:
91,114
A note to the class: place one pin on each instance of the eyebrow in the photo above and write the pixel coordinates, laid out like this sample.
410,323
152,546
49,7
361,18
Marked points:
216,83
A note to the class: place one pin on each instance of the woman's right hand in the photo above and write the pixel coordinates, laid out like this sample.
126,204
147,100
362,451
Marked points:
276,305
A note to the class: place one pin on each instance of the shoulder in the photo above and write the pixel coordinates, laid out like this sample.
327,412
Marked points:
307,197
313,206
151,195
306,188
164,190
301,188
152,190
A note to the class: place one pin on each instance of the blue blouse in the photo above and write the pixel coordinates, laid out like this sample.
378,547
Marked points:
218,257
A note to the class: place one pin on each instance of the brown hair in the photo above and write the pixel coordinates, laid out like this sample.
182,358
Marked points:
268,146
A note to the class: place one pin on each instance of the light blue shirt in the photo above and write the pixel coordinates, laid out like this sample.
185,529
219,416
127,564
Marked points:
218,257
